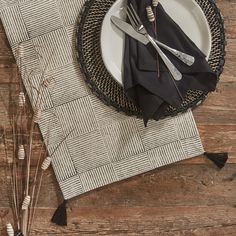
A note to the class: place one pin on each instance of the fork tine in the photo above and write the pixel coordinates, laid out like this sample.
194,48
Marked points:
133,16
135,13
130,19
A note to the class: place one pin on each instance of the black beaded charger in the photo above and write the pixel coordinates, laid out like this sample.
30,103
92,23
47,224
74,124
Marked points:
104,85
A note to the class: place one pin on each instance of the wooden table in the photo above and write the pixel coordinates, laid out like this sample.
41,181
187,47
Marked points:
188,198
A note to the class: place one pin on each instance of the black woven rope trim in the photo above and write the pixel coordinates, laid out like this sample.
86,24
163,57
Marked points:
223,41
170,111
219,69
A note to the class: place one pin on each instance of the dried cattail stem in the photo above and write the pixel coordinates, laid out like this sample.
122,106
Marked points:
21,152
10,230
20,51
37,115
21,99
152,18
26,203
150,14
46,163
155,3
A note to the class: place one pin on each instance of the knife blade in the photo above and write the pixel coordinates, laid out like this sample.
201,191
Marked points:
128,29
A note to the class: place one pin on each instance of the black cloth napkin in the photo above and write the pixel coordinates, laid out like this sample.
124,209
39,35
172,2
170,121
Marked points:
141,83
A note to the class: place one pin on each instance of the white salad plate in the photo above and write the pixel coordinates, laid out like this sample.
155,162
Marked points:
186,13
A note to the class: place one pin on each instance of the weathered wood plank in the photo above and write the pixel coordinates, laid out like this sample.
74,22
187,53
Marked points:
5,50
219,138
189,185
190,198
228,8
8,74
164,221
219,107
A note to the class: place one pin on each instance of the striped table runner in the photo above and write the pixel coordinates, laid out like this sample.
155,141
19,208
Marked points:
102,145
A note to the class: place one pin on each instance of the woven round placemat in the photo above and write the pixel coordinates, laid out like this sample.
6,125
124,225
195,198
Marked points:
104,85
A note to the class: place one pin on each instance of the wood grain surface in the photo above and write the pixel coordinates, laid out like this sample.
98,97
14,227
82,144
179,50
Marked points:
190,198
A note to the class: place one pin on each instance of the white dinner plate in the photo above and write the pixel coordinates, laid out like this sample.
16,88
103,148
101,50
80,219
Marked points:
186,13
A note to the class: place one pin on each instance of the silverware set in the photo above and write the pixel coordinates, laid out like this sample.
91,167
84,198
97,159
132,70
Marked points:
139,32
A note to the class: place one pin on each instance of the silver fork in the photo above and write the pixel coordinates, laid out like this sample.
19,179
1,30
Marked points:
139,27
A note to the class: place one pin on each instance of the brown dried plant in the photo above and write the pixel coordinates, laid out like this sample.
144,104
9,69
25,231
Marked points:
17,139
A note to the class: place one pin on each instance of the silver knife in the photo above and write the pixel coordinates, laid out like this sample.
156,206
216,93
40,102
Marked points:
128,29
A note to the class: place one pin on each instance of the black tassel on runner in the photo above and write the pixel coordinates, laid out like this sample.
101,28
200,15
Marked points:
218,158
60,215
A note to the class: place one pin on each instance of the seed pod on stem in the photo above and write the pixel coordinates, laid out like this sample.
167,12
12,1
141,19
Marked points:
21,152
155,3
37,115
10,230
46,83
21,99
46,163
20,50
150,14
26,203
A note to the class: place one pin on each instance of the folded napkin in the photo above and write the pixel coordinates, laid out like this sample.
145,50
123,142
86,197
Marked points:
141,83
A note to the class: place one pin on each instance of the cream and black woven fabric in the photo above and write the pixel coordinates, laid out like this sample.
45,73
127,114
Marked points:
102,145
